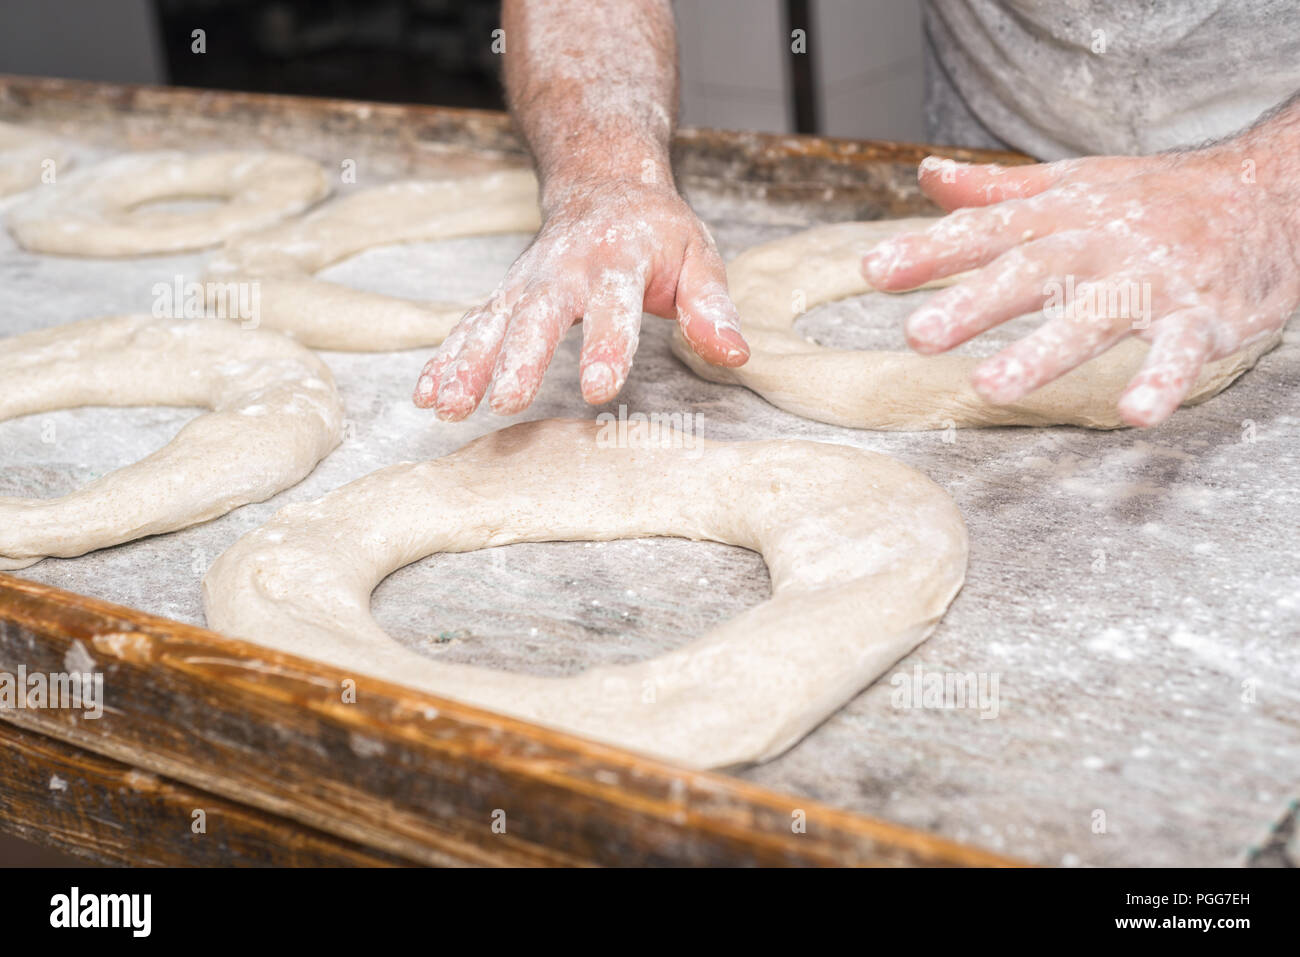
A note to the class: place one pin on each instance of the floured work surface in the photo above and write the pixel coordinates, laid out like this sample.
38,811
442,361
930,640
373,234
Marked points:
1130,615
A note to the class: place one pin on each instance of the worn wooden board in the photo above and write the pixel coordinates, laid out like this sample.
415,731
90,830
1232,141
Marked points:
849,178
74,800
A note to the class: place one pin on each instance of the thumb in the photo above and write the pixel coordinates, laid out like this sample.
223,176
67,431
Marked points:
953,185
705,312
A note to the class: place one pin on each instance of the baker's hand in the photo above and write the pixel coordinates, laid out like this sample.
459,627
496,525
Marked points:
604,254
1203,242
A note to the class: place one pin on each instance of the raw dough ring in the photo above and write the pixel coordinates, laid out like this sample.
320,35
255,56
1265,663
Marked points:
865,555
274,414
899,390
22,153
326,315
92,211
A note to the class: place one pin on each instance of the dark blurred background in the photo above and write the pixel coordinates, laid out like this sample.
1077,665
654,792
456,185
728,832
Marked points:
395,50
432,51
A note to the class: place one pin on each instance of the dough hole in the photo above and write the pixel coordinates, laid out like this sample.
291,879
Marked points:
869,321
465,268
874,321
51,454
177,205
499,607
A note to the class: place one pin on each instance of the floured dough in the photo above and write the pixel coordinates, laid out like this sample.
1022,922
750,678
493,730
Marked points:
864,554
23,153
92,211
326,315
899,390
274,414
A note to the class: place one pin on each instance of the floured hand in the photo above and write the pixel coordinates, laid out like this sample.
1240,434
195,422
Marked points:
1203,242
607,251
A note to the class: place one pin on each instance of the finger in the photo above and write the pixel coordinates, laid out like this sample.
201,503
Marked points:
610,329
464,378
1023,279
426,388
475,333
962,240
705,312
430,378
1180,347
952,184
541,317
1053,349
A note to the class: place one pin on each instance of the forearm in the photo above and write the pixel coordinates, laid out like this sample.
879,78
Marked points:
593,88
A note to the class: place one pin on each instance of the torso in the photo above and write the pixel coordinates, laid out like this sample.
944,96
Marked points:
1058,78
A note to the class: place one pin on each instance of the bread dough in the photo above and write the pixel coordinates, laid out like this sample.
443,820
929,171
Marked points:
326,315
23,152
865,555
899,390
92,211
274,414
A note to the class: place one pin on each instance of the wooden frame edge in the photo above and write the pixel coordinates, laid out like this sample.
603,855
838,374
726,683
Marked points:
479,129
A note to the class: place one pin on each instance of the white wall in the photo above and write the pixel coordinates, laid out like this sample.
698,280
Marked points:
870,83
867,54
733,64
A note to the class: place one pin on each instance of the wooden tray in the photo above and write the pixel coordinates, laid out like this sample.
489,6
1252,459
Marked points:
262,743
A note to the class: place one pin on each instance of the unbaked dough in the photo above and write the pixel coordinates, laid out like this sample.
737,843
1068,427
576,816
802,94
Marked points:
326,315
23,153
865,555
899,390
92,211
274,414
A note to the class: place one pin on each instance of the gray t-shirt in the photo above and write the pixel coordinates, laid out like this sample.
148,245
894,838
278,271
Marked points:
1060,78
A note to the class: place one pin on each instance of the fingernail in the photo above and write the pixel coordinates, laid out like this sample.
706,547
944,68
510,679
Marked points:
598,381
424,386
881,260
451,398
928,327
1144,405
507,393
737,347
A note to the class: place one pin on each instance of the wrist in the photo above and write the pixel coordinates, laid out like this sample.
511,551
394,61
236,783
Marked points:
1267,156
584,163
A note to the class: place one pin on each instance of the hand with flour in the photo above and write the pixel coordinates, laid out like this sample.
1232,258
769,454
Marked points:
1204,240
592,88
